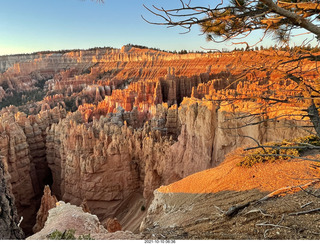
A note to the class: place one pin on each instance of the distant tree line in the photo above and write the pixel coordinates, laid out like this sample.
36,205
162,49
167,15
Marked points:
183,51
281,48
63,51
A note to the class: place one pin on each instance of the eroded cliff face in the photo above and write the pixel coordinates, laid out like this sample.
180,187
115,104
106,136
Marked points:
9,219
120,160
83,72
101,162
48,202
8,61
137,119
70,217
106,161
23,150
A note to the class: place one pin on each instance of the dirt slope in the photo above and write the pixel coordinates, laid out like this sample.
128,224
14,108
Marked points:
198,206
229,176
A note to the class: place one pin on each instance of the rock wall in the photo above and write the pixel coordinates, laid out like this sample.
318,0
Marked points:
16,155
107,161
9,220
102,162
48,202
135,127
8,61
66,217
23,150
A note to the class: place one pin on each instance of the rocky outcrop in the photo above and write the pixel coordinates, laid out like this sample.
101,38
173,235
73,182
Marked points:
22,147
107,160
112,225
97,72
15,153
47,202
34,128
77,71
8,61
70,217
85,159
9,220
132,124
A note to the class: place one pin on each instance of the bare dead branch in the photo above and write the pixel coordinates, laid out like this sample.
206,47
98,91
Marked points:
233,210
281,147
259,211
307,204
310,193
273,225
285,190
304,212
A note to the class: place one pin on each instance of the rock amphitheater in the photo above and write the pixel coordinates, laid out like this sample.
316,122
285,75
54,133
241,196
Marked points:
147,143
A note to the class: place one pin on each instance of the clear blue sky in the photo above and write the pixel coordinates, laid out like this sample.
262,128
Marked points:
38,25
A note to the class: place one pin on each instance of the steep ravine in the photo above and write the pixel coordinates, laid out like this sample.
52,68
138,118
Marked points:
23,150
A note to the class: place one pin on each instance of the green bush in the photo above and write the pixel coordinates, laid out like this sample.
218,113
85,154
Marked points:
67,235
274,151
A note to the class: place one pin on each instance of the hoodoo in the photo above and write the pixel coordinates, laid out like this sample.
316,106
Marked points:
104,128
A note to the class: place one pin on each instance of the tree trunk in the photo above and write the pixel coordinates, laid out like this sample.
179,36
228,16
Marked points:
293,17
313,114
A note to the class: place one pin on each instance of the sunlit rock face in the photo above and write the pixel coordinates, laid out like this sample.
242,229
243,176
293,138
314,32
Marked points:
8,61
120,160
103,125
106,162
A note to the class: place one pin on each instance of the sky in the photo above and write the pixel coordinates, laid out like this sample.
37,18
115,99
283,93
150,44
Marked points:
39,25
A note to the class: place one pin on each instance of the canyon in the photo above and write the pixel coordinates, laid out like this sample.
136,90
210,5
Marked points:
109,126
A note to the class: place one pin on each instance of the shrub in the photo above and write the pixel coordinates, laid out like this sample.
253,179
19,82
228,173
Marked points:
283,150
67,235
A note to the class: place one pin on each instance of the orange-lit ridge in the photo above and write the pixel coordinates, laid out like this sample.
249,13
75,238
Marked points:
230,177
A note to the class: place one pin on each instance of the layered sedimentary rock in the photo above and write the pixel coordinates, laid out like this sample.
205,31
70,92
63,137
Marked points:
23,150
48,202
15,152
106,161
112,225
9,220
8,61
101,163
114,68
69,217
139,118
